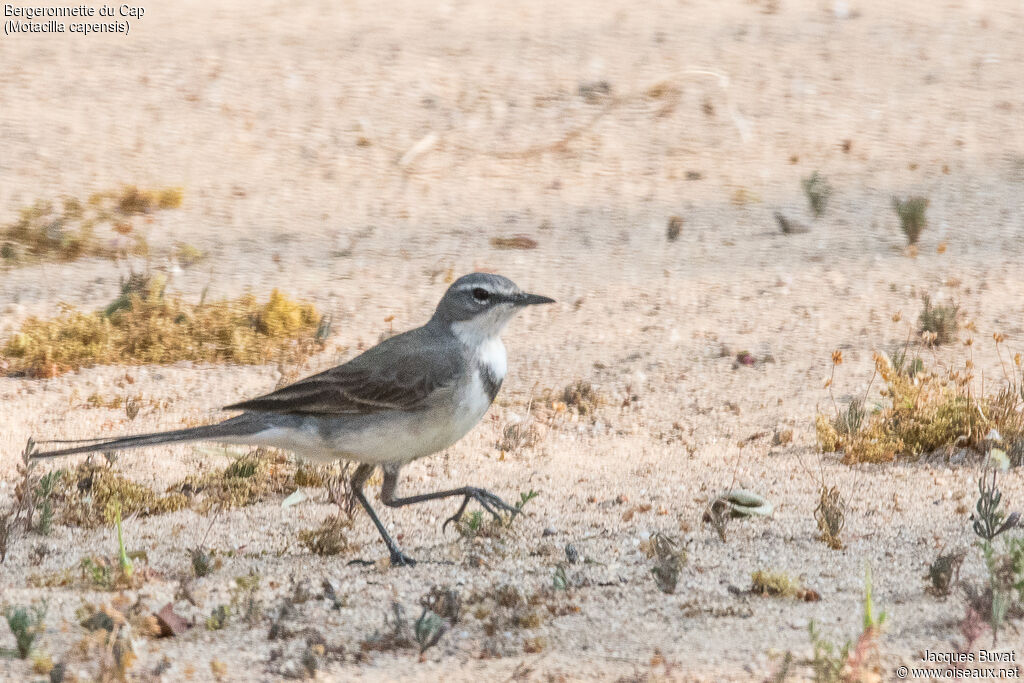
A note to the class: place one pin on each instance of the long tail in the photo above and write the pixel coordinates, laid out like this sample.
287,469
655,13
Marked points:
242,425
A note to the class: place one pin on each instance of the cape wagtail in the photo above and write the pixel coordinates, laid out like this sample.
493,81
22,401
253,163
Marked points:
408,397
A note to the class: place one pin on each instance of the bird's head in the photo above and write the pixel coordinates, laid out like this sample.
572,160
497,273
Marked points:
481,304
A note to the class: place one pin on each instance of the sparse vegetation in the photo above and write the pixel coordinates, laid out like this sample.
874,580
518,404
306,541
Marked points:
144,325
117,573
330,538
518,435
818,191
243,604
90,495
70,228
940,322
582,398
247,480
1003,597
27,624
670,560
108,643
853,661
944,571
927,413
830,514
473,524
911,212
779,584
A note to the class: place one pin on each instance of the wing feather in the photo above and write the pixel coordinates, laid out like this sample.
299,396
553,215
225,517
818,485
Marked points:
400,373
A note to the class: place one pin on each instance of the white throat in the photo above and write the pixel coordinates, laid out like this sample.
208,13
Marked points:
485,345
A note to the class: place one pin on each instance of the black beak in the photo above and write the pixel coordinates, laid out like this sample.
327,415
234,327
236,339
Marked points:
524,299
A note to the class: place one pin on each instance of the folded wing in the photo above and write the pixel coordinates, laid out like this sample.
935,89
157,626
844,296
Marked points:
397,374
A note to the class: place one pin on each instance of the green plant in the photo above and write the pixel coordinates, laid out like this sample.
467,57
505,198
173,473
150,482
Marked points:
219,617
828,661
429,629
27,624
125,563
848,422
524,498
911,212
243,603
471,525
818,192
559,581
941,321
854,661
43,500
1005,592
202,563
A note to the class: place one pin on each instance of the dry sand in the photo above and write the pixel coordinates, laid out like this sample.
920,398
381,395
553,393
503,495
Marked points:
290,127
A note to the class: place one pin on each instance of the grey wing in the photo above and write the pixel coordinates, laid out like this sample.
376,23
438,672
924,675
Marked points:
398,374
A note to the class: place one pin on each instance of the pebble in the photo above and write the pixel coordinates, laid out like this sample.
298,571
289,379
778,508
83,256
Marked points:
549,531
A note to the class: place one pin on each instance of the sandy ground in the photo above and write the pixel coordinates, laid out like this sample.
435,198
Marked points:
294,129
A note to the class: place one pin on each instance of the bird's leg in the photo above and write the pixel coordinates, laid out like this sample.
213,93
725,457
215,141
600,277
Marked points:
359,477
488,501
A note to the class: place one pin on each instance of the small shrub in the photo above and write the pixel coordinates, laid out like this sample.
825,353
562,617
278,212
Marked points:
911,212
583,397
1004,596
780,584
670,561
941,321
68,229
26,623
143,325
245,481
818,192
923,413
90,496
830,514
856,661
943,571
330,538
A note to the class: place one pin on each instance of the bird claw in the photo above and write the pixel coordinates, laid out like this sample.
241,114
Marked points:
400,559
488,501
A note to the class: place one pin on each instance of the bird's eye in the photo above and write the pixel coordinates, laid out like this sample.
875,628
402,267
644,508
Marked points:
481,294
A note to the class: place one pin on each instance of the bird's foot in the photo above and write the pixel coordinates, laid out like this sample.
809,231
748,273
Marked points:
400,559
488,501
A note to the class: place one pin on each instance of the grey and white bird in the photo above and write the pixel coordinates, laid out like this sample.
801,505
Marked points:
412,395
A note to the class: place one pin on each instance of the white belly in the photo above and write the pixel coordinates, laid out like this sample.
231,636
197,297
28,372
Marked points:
392,438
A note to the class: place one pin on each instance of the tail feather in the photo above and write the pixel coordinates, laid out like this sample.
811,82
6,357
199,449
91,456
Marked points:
236,426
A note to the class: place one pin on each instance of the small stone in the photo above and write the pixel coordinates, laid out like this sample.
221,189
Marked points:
549,531
571,554
171,623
